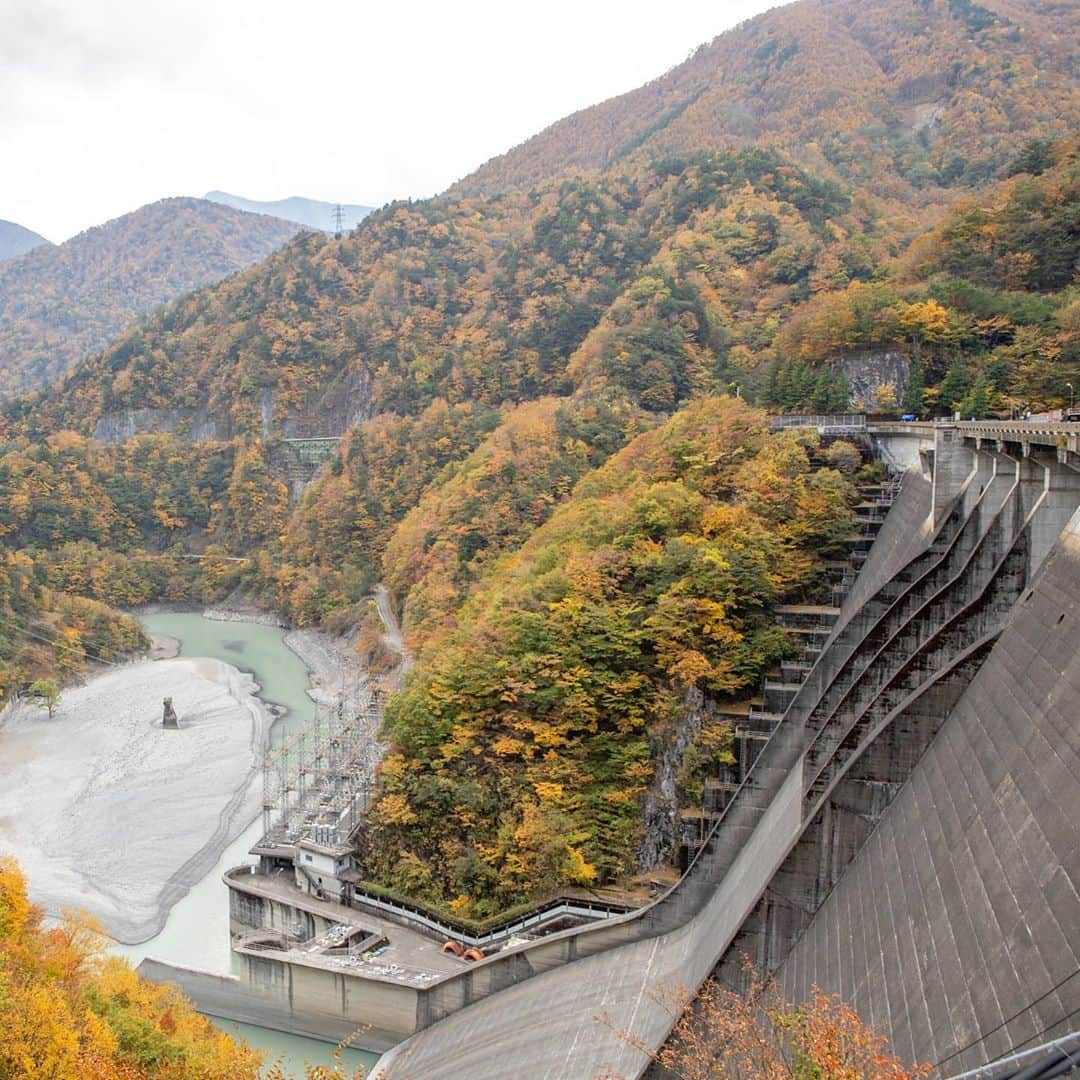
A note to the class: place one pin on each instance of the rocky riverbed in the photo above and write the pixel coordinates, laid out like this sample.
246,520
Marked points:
107,810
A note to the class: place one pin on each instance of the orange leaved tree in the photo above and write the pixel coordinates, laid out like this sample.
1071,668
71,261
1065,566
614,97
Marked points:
757,1035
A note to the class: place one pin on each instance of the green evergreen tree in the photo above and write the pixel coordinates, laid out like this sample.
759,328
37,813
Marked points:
840,400
785,386
770,396
976,402
954,386
914,394
822,397
802,385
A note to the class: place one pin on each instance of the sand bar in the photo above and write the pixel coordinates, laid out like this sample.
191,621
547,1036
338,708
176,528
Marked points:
108,811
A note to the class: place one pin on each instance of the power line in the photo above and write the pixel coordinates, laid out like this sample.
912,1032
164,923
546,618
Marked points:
1040,1034
57,644
1015,1016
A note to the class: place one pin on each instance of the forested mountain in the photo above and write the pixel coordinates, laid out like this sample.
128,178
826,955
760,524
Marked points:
16,240
910,99
61,303
523,743
667,277
570,517
309,212
48,634
541,454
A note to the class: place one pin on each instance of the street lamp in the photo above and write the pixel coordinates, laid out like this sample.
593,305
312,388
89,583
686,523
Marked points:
1072,396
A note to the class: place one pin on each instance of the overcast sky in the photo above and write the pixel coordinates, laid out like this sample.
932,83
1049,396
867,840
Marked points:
106,105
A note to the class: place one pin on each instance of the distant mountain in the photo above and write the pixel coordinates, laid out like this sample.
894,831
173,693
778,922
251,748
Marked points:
910,99
310,212
61,303
15,240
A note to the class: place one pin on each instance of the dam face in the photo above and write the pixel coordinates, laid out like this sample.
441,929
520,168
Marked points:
956,929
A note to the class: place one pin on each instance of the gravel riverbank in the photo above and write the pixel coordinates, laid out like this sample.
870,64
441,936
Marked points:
108,811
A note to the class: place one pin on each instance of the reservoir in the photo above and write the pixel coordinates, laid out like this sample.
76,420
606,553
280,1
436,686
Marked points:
196,934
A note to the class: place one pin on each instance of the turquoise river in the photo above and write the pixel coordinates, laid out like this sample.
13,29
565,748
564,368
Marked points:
196,934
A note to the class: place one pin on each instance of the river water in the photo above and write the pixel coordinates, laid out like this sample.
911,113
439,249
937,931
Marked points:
196,934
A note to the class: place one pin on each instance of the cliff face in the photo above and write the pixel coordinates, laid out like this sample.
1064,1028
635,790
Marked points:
344,404
868,369
120,426
660,807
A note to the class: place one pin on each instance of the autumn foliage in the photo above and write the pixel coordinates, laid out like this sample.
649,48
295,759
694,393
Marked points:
542,454
521,744
68,1011
51,634
721,1034
910,99
60,304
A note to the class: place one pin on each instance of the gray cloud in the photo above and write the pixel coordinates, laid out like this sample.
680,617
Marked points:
96,42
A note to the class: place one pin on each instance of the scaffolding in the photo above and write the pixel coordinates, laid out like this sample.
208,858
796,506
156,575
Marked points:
317,785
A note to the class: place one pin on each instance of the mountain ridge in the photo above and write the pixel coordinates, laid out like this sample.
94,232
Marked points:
544,458
61,303
909,99
313,213
16,240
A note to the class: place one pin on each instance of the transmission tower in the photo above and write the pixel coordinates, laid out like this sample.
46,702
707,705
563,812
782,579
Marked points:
339,221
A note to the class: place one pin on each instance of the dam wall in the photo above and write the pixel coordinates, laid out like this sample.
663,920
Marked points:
906,532
313,1004
956,929
565,1021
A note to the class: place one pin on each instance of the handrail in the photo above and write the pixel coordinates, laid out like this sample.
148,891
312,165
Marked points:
557,907
837,421
1005,1068
905,618
536,917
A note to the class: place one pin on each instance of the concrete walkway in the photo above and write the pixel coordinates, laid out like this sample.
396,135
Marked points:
410,958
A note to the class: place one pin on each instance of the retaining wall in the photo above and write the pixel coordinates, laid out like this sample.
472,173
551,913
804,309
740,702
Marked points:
315,1004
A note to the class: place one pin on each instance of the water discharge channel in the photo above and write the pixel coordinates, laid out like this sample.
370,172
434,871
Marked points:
196,934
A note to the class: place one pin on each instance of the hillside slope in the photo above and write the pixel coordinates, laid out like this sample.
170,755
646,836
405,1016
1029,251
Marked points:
909,98
60,304
487,301
542,457
16,240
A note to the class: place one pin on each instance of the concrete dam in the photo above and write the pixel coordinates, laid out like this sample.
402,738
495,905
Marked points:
907,835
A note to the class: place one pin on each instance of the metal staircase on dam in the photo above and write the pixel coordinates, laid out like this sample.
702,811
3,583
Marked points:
809,626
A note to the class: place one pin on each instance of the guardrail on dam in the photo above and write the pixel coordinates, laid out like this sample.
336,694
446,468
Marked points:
904,838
